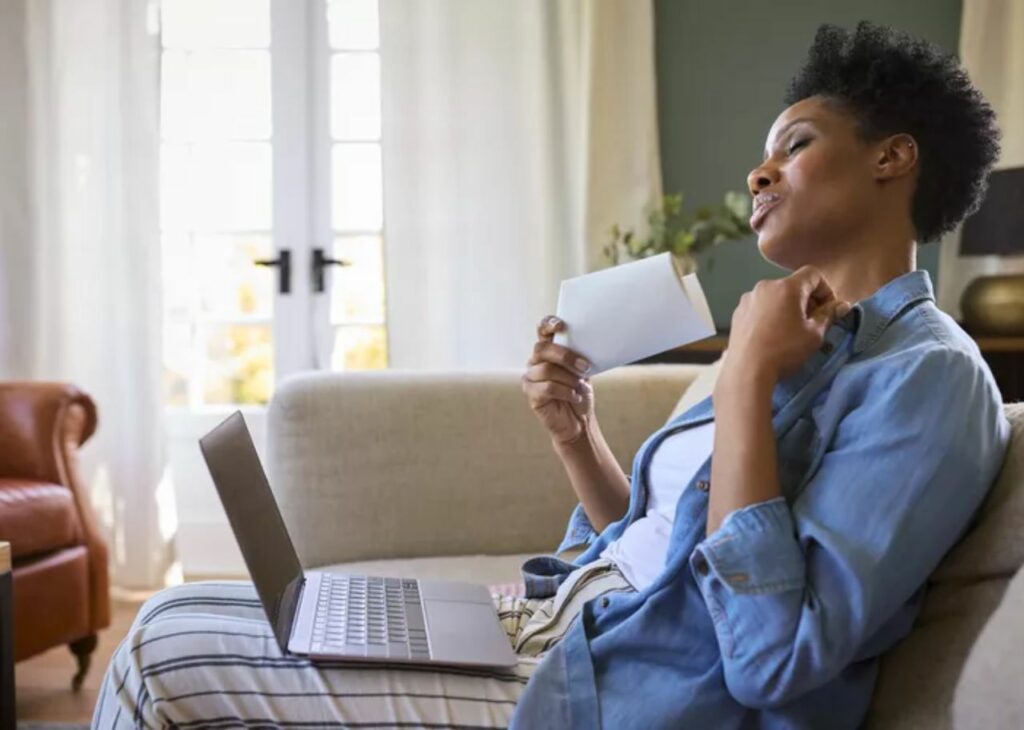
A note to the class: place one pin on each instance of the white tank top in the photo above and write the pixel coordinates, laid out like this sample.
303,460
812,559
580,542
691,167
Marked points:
641,549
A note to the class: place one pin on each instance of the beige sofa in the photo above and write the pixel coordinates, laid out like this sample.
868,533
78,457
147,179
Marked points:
449,475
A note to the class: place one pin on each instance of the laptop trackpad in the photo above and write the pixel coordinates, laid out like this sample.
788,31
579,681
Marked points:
466,633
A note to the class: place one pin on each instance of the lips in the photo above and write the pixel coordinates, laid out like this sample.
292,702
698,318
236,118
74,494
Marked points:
761,211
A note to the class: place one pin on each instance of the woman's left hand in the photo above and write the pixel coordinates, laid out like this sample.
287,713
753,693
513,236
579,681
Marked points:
781,322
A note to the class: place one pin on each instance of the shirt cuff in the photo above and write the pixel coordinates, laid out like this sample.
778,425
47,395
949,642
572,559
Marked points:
754,550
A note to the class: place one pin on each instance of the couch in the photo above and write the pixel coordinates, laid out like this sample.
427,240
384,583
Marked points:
59,556
449,475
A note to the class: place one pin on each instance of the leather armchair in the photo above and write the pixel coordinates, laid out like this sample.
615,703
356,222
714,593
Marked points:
60,571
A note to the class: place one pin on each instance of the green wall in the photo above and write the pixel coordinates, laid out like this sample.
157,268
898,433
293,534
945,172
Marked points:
722,70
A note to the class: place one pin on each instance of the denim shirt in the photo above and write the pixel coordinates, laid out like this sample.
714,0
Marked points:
888,439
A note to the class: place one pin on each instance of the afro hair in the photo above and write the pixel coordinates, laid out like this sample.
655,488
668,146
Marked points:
894,83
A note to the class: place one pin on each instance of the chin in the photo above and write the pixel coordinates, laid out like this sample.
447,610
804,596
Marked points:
774,251
782,249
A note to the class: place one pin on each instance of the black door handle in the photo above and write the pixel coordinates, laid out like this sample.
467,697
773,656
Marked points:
283,262
320,262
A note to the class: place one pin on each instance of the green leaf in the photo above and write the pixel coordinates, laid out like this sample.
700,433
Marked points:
738,204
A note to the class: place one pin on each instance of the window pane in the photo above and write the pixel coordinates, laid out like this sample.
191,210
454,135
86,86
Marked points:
178,282
230,186
215,23
177,362
356,183
357,291
228,95
355,96
360,348
239,364
231,286
353,24
175,209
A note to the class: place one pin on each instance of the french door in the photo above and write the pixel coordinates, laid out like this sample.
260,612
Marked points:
271,220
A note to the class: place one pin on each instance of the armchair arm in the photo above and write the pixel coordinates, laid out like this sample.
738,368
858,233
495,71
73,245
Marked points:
395,464
42,426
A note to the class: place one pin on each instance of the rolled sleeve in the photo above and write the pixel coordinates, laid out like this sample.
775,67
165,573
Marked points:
579,531
795,590
754,550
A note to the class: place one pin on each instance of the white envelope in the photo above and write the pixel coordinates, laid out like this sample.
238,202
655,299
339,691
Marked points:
628,312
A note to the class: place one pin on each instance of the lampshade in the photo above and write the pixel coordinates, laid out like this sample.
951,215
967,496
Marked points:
998,226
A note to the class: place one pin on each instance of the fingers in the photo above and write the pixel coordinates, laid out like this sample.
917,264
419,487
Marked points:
546,351
812,284
547,390
828,313
549,326
542,371
554,372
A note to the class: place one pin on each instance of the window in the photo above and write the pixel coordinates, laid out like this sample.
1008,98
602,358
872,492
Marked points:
226,323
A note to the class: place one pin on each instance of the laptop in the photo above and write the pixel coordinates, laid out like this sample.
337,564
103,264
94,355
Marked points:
341,616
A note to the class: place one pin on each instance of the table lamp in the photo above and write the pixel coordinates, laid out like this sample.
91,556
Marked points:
994,305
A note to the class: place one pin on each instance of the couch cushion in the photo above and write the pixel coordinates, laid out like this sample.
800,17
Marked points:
483,569
702,386
988,693
917,677
36,517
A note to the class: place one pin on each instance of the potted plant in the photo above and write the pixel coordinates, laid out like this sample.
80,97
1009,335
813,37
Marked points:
683,234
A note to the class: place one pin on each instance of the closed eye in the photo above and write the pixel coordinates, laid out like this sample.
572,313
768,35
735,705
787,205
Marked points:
796,145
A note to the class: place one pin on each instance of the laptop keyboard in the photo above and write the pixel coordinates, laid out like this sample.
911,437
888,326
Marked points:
369,616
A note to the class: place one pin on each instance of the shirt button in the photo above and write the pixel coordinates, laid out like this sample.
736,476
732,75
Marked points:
703,485
702,566
827,347
605,602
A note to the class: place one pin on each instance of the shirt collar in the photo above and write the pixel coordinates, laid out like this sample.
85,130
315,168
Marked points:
869,317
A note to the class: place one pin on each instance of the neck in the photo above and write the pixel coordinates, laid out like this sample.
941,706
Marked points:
862,266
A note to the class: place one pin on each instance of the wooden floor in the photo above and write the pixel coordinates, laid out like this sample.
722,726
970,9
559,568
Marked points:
44,682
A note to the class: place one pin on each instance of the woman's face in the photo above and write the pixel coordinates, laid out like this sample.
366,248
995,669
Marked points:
814,189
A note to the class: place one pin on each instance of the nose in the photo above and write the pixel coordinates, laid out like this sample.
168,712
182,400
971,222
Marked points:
761,177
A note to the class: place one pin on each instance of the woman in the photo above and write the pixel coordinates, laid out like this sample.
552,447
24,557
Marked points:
856,431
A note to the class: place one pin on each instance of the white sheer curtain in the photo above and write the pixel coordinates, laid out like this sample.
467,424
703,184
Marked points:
79,246
514,135
992,51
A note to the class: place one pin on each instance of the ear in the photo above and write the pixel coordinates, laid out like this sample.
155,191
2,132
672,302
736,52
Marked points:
895,156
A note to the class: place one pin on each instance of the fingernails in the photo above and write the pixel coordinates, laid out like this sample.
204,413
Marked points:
582,365
577,397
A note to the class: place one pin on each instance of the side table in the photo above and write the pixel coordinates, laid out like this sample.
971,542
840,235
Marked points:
7,713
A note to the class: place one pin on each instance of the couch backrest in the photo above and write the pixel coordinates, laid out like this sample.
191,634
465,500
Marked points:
917,677
398,464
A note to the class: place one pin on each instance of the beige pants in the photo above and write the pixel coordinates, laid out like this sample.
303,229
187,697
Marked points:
203,655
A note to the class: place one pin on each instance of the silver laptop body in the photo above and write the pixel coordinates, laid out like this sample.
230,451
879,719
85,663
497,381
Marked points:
336,615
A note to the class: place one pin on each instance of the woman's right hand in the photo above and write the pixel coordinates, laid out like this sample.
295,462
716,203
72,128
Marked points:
556,385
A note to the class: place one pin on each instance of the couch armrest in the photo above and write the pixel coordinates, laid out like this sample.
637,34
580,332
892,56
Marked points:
394,464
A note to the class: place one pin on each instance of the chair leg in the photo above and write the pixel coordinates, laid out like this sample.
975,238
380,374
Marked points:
82,649
7,712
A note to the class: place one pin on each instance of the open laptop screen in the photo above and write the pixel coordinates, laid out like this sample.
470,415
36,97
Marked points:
256,521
